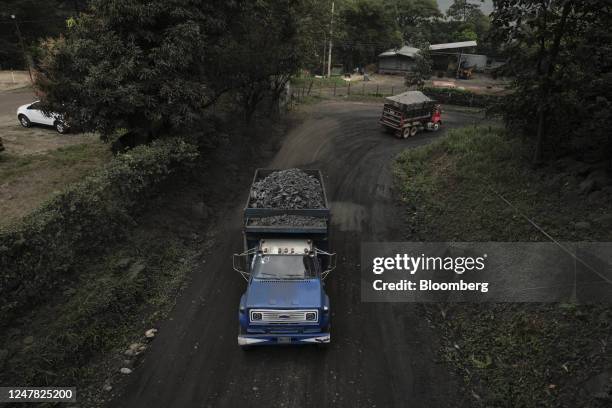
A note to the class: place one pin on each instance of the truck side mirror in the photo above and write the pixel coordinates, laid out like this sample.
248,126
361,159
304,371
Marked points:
240,264
331,265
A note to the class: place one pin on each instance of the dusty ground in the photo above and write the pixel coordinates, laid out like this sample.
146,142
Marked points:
13,79
394,84
38,161
382,355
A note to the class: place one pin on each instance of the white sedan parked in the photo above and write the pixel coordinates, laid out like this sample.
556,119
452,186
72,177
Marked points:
31,114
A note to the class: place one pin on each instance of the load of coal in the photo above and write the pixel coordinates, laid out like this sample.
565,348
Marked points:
292,220
287,189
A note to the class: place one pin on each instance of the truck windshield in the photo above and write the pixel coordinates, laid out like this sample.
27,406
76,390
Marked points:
284,267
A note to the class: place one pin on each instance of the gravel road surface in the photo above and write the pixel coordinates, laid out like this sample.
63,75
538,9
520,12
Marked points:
382,354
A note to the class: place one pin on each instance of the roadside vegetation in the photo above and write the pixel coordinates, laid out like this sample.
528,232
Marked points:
114,261
552,163
164,83
522,355
30,179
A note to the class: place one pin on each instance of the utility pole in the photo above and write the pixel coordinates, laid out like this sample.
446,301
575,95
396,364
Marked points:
25,54
324,55
331,30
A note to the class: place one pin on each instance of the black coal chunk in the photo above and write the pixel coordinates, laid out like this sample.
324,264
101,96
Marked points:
287,189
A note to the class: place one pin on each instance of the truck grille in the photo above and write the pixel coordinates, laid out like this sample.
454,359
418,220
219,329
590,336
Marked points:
283,316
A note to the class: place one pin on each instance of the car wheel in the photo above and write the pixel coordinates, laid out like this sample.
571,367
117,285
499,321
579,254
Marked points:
61,128
24,121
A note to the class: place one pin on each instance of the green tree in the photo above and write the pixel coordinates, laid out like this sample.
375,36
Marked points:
150,67
269,42
365,28
413,17
463,10
422,69
37,20
558,52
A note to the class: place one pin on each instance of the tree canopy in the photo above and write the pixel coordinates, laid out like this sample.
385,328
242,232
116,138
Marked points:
560,59
37,19
154,66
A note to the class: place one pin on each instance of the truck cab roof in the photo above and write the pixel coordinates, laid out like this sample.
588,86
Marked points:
285,267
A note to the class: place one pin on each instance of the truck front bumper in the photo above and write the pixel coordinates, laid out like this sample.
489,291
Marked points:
277,339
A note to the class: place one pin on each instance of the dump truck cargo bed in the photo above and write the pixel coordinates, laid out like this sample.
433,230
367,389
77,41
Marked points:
279,220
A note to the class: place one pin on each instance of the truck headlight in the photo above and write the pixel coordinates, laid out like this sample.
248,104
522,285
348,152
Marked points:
311,316
256,316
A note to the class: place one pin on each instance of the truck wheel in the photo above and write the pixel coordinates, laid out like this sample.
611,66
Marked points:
413,130
406,132
435,127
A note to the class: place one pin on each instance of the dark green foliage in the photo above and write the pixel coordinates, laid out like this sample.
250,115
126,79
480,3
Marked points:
39,253
422,69
143,66
153,67
461,97
413,18
365,29
463,10
269,42
560,57
508,355
37,20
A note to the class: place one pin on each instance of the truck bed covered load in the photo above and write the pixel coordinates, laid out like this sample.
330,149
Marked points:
286,201
408,112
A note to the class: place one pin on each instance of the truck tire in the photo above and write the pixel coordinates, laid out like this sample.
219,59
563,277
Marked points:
406,132
413,130
435,127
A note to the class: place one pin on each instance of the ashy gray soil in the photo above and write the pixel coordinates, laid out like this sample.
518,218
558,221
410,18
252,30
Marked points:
382,355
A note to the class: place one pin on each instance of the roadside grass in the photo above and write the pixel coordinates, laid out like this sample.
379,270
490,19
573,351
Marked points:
80,334
118,296
28,180
301,81
519,355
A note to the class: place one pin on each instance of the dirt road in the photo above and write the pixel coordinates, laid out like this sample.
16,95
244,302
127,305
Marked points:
381,354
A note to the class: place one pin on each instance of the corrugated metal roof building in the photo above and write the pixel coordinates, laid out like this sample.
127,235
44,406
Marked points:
397,61
400,61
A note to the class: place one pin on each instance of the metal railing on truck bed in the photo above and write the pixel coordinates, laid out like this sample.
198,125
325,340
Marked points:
251,214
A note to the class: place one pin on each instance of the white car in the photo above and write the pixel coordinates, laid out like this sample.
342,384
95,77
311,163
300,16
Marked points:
31,114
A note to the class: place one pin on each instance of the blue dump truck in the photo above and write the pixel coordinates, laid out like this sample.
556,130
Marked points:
285,261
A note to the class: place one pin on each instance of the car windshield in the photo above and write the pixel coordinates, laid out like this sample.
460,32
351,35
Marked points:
284,267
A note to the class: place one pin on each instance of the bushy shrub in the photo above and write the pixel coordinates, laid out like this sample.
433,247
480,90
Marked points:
37,254
462,97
